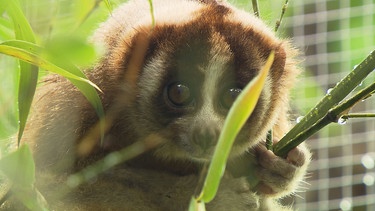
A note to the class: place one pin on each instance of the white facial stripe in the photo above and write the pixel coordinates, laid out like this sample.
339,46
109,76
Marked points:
220,56
153,79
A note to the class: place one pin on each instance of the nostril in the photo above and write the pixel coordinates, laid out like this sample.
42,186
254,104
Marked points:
205,137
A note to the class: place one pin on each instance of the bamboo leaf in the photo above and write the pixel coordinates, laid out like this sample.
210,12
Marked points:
196,205
74,49
19,166
18,49
6,29
29,73
237,116
33,54
109,5
27,85
82,9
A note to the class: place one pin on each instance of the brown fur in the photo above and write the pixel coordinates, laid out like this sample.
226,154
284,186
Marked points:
139,59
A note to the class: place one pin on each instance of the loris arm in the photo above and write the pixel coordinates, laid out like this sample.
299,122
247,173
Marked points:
271,176
278,176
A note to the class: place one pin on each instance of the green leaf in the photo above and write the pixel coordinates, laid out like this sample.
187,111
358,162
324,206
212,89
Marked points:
196,205
72,48
237,116
82,9
31,198
27,85
19,166
22,28
6,29
29,73
109,5
36,55
28,53
152,12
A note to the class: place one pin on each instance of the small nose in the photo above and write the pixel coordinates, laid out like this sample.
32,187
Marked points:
205,136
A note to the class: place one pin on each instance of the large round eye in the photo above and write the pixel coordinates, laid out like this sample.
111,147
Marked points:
229,96
179,94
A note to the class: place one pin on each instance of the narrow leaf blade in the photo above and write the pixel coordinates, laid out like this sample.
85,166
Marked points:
29,73
109,5
196,205
19,166
32,53
238,114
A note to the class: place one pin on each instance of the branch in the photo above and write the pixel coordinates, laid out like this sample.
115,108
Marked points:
315,118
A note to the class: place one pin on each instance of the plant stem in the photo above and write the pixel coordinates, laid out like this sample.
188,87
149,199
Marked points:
278,22
269,140
357,115
333,115
113,159
344,107
152,12
316,114
255,7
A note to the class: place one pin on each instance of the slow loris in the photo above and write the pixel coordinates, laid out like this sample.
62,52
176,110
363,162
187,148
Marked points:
189,68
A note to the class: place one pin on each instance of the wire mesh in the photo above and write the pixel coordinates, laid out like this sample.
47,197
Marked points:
335,36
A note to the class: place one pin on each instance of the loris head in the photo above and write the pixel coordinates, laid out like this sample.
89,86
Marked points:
198,58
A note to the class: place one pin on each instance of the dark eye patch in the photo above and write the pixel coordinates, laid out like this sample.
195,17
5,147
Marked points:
229,96
179,94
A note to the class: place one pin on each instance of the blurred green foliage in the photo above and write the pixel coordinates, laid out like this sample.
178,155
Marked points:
63,28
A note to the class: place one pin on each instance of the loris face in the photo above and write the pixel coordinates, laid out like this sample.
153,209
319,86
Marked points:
192,74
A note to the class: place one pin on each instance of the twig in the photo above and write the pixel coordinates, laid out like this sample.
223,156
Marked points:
152,12
333,115
255,7
278,22
295,136
357,115
114,159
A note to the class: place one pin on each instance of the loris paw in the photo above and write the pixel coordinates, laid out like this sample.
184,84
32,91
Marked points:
236,194
278,176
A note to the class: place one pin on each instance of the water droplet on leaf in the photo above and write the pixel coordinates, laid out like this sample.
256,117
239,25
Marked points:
329,90
299,119
341,121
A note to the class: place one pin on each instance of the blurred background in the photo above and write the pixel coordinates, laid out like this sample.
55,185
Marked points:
334,35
